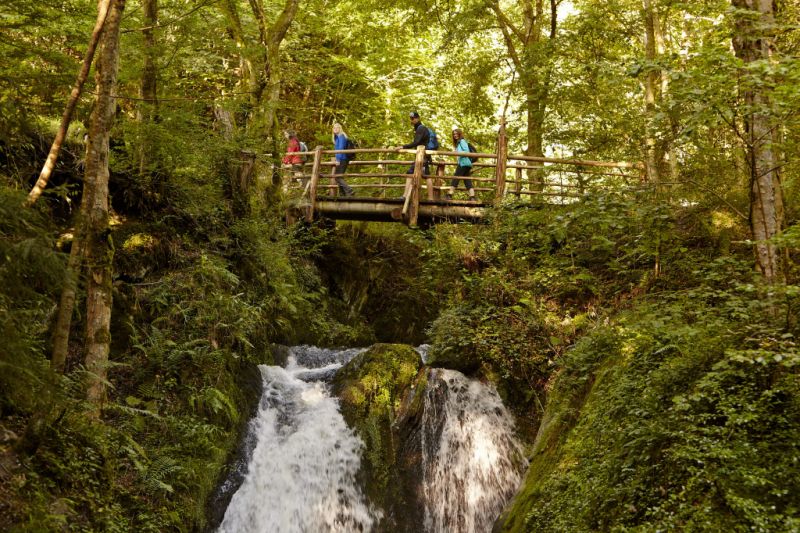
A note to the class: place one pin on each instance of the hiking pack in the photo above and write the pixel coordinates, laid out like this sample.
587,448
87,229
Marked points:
473,150
303,148
433,141
350,145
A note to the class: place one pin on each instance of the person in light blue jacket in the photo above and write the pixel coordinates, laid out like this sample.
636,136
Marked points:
464,168
342,160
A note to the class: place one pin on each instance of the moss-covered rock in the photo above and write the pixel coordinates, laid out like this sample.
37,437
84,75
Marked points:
381,395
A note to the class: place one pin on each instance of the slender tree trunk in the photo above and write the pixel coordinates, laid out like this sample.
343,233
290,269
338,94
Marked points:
247,74
99,248
752,42
52,157
532,59
668,148
67,303
269,89
650,89
148,90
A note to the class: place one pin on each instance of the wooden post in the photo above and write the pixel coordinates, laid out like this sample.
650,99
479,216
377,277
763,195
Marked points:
502,161
312,193
411,207
429,183
439,181
518,188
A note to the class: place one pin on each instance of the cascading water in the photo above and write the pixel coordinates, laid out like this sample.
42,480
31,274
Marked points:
472,463
301,475
304,460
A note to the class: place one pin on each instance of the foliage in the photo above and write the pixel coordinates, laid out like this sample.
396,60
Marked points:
681,414
524,289
699,377
372,388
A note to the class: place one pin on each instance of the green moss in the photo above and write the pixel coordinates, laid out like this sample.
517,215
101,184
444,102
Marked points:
372,388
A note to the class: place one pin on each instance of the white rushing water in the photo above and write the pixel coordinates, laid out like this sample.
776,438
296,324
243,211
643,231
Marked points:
472,461
301,476
302,470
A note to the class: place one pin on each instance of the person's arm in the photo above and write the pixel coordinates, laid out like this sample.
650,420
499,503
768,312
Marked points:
420,137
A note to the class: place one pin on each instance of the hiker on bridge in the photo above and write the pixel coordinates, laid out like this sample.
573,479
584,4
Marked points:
421,138
464,167
341,142
294,161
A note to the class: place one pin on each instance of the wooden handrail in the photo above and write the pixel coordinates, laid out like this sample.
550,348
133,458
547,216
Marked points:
509,157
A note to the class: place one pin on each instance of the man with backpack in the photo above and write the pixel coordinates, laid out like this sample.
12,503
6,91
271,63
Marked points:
423,136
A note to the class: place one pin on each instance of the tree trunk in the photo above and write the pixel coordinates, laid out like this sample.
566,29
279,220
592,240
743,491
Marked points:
668,146
99,249
247,75
242,182
52,157
532,59
66,305
752,42
269,89
148,90
650,89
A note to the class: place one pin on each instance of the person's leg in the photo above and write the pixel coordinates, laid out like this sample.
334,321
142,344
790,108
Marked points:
468,183
460,172
344,188
453,187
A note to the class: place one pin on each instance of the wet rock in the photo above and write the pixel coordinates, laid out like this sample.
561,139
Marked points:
381,398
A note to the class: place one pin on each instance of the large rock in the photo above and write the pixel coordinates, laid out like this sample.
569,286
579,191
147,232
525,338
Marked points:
381,394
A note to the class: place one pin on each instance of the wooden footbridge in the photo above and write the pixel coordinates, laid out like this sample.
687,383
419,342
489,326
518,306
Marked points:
384,190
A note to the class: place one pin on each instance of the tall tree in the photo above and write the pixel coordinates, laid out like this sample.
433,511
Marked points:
148,88
61,134
99,249
268,87
753,43
529,41
651,87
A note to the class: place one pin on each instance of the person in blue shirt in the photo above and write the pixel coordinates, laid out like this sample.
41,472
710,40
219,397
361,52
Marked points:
464,167
342,160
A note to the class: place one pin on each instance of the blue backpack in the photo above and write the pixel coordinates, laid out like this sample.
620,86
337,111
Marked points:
303,148
433,142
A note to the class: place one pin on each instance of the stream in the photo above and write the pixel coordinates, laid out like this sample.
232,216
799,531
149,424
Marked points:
302,467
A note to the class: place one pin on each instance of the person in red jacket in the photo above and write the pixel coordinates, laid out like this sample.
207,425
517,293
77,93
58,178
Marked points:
293,161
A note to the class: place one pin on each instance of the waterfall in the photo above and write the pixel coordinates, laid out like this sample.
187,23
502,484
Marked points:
302,471
302,474
472,463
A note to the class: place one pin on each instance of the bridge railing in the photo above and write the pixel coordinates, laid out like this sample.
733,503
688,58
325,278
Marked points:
399,176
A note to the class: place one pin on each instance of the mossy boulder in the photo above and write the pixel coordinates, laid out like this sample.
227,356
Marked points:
380,393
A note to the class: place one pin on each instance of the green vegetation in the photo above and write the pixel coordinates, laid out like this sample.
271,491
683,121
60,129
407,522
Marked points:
643,326
680,414
372,388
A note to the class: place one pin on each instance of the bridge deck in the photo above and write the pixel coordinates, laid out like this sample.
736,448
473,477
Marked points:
390,209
